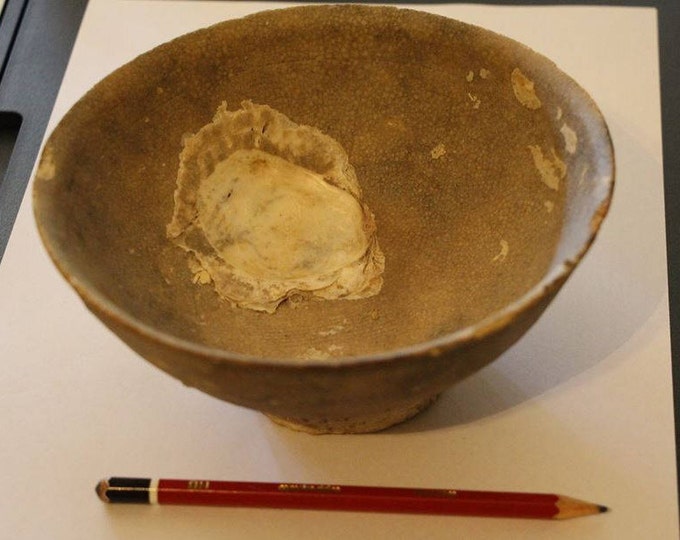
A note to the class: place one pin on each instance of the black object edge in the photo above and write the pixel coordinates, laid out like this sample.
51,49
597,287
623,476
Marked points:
669,60
36,38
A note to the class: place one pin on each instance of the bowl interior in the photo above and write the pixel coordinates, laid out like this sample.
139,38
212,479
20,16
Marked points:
442,145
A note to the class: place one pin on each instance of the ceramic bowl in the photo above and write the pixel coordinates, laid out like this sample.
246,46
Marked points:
488,169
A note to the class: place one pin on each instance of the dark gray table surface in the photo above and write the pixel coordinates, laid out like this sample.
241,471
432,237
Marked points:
36,38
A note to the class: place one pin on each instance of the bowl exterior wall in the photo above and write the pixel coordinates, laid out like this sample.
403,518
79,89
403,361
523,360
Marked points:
346,398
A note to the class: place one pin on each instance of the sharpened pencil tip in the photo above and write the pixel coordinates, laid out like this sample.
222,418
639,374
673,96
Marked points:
602,509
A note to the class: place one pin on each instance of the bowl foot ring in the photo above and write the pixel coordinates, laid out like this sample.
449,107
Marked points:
361,424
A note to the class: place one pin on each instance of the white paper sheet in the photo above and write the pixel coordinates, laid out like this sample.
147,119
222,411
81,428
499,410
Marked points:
581,406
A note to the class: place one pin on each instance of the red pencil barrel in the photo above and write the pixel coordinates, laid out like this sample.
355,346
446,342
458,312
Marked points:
357,498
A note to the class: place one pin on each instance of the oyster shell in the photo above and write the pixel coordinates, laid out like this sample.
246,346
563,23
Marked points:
271,210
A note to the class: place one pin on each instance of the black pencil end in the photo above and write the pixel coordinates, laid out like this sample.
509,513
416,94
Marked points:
602,509
101,488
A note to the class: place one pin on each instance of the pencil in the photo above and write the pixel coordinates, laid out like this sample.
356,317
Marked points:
347,498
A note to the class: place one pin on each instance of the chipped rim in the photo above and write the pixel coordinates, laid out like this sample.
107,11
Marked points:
494,323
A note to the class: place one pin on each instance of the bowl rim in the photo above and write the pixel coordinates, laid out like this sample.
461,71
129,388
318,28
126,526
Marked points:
495,322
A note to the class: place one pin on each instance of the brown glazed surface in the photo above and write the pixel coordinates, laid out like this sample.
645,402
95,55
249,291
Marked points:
476,241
